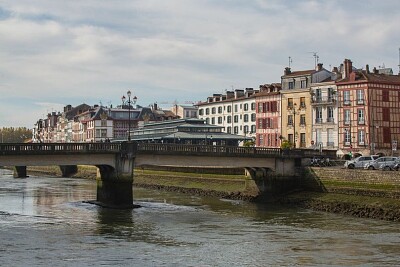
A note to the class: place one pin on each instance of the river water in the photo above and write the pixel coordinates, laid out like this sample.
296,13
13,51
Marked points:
44,221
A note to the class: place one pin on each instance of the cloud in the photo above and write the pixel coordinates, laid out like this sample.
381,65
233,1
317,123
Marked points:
72,52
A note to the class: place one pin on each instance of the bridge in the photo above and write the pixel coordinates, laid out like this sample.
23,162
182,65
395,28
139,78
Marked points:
116,161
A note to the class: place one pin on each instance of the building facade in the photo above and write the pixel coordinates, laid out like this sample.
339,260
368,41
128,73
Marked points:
296,112
234,111
268,116
369,111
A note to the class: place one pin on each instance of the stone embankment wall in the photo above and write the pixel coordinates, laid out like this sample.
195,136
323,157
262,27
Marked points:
358,182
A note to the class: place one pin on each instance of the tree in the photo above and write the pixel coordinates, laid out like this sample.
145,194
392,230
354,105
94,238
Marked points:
15,135
286,144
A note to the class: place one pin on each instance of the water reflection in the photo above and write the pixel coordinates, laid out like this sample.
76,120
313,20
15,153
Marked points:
46,219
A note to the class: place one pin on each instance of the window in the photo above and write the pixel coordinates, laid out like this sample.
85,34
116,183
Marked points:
253,106
261,140
302,102
260,123
207,111
103,123
253,117
360,97
213,110
361,137
201,111
260,107
347,138
302,139
213,120
386,135
236,108
229,109
346,98
235,130
229,129
290,120
229,119
246,107
246,117
330,115
318,134
219,120
291,85
274,106
245,129
302,120
360,116
219,110
290,138
208,120
303,84
253,128
236,118
318,115
290,103
347,117
385,95
386,114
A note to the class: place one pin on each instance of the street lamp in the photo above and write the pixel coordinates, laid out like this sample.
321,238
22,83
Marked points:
294,125
129,102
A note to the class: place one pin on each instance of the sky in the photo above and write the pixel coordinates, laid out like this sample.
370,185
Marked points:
56,52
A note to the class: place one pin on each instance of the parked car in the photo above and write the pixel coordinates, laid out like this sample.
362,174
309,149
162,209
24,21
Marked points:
390,165
385,163
359,162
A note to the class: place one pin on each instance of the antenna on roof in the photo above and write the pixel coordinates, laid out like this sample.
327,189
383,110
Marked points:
399,61
290,60
316,58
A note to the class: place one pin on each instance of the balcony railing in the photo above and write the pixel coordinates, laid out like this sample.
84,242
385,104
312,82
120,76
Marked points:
361,121
346,102
330,120
322,100
318,120
360,102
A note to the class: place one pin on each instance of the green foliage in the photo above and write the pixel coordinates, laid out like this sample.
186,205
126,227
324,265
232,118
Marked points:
286,144
249,143
15,135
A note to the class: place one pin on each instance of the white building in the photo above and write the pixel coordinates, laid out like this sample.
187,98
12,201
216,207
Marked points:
235,111
324,115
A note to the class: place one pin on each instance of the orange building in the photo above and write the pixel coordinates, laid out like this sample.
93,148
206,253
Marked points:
369,111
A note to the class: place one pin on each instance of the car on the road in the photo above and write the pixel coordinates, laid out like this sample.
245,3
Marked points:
359,162
384,163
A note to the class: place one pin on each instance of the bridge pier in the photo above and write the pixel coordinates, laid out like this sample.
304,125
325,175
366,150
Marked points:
20,172
114,185
68,170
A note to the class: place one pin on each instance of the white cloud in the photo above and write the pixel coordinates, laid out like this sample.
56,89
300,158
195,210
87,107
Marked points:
71,52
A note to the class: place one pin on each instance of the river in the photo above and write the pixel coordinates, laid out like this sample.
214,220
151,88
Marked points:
44,221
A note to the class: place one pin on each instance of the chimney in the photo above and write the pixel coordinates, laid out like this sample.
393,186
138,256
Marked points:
287,71
348,68
319,66
230,94
367,68
155,106
375,70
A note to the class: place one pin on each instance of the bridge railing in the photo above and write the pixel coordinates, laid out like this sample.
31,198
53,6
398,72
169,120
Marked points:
132,148
48,148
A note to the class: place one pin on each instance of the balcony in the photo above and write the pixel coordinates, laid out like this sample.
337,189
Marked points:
361,122
318,120
330,120
346,102
330,144
360,102
322,100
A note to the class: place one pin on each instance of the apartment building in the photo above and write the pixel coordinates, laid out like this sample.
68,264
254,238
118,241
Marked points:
268,116
235,111
324,106
296,112
369,111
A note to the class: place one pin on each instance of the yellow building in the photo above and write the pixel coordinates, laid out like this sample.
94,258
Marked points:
296,111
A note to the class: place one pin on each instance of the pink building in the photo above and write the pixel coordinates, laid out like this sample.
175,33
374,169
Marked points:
369,111
268,116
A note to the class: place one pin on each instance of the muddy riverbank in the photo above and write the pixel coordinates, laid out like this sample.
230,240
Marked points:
336,200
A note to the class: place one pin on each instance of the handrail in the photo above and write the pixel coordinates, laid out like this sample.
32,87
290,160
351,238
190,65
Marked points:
125,147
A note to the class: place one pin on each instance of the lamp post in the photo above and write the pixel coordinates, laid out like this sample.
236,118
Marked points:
294,125
129,102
